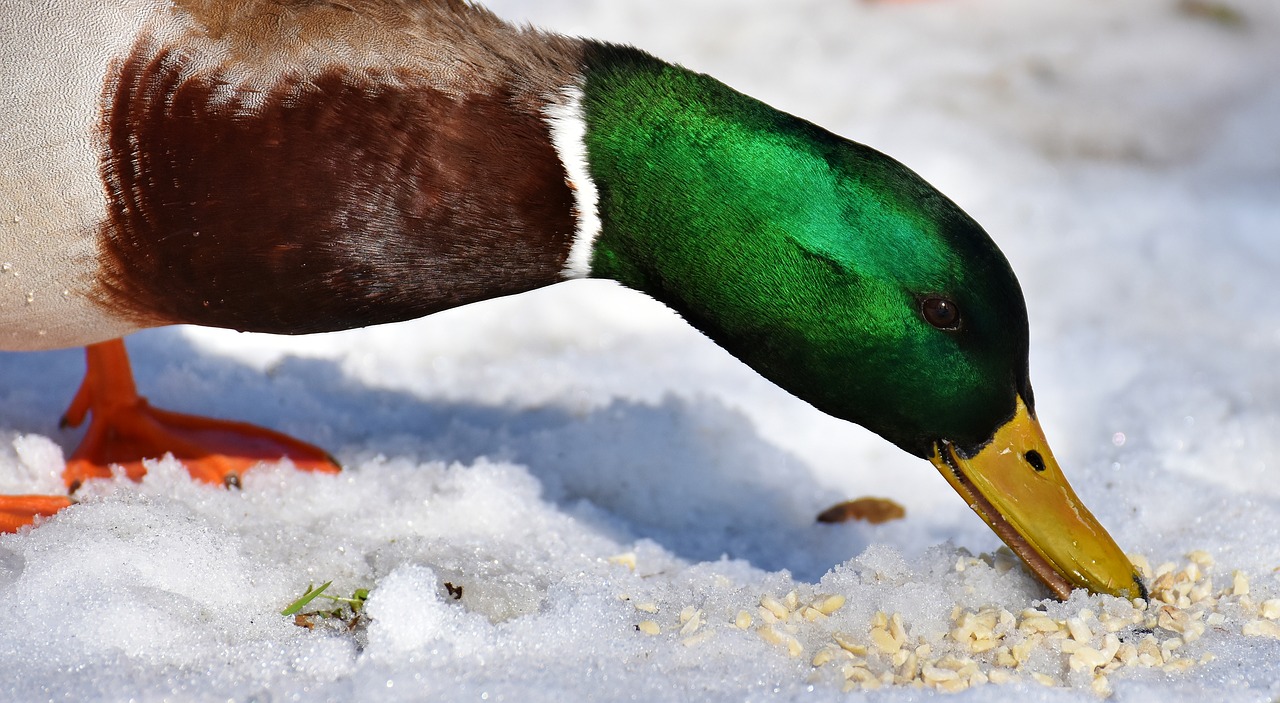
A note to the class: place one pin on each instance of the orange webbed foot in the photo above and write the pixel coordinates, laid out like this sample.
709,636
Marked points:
19,511
124,429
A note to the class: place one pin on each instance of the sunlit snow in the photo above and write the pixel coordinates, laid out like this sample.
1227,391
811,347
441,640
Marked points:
589,470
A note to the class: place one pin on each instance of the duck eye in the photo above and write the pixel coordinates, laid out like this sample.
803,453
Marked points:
941,313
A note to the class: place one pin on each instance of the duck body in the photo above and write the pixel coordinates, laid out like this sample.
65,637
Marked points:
216,168
297,167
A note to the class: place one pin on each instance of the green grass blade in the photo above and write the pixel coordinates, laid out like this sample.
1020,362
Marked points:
307,597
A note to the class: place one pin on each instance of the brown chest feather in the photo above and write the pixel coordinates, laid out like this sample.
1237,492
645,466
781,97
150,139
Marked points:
329,200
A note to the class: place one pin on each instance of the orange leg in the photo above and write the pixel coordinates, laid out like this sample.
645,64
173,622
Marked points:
124,429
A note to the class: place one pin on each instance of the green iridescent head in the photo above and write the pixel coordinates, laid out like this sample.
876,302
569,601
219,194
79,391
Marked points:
830,268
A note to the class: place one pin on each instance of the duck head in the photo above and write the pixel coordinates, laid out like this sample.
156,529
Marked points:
846,279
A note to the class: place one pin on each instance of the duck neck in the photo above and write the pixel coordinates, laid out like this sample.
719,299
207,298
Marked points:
691,208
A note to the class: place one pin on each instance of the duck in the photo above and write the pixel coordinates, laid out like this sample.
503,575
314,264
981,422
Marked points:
293,167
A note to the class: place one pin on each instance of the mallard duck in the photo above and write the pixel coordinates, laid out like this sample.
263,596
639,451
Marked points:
293,167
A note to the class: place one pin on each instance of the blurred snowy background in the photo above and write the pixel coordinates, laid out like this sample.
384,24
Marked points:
1125,156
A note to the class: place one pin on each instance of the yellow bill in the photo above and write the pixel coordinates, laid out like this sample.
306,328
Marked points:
1015,485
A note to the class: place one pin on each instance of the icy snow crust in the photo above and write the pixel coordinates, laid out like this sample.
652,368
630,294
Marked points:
1124,155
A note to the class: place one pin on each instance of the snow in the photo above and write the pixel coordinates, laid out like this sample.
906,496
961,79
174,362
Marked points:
1124,155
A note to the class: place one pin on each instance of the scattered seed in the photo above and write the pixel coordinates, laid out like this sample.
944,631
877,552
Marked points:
863,675
1191,572
884,641
908,668
1168,646
1001,677
688,614
768,634
1101,686
698,639
849,645
1079,631
1043,679
776,608
828,605
1270,609
1039,623
934,674
767,615
824,656
1201,591
1239,583
979,646
1127,654
873,510
627,559
1262,628
1087,658
1141,564
771,635
1201,558
993,645
649,627
692,624
792,601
